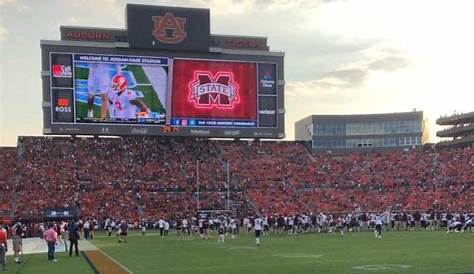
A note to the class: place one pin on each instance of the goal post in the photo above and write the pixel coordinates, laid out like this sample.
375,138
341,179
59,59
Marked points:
199,191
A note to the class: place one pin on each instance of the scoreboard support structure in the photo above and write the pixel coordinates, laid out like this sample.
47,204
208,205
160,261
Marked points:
227,190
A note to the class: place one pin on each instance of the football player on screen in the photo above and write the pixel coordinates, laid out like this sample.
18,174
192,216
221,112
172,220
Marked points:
123,102
98,84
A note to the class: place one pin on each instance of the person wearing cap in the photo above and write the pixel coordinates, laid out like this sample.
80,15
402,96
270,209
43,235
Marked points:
51,237
3,248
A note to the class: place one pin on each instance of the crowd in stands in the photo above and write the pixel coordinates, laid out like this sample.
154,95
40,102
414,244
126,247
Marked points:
7,177
143,177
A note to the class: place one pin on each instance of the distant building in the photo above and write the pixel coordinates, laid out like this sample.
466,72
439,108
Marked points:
363,131
460,130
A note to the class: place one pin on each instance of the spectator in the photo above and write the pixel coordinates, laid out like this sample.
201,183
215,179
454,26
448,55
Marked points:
51,238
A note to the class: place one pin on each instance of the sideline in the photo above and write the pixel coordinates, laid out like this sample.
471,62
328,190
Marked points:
102,263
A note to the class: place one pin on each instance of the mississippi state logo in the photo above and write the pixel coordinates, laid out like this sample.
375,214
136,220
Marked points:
207,90
169,29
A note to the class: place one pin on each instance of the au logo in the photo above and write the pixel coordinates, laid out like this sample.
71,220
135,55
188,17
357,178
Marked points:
169,29
207,90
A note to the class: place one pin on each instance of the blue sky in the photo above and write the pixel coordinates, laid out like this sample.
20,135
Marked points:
342,56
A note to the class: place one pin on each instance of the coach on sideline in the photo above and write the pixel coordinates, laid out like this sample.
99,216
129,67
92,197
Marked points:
3,248
73,237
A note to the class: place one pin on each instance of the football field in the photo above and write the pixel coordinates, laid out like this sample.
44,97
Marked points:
357,253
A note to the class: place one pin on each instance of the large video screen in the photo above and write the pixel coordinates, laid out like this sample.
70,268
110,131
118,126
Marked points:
214,93
100,93
120,89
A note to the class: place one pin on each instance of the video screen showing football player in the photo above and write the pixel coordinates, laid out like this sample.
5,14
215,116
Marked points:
98,84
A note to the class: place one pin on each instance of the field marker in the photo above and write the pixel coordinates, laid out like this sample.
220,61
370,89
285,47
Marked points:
299,255
382,267
241,247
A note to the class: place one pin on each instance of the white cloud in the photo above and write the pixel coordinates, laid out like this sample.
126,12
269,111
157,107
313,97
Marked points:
340,56
74,19
19,6
7,2
390,63
3,33
101,9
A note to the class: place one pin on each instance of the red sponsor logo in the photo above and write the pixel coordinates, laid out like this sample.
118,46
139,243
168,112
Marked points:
61,71
62,105
63,102
169,29
208,91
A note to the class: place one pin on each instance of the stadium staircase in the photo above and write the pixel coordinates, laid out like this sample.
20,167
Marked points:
310,155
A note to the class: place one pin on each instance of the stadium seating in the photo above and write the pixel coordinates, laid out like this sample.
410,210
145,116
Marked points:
133,178
7,177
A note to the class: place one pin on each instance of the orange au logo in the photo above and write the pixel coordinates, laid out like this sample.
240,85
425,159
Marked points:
169,29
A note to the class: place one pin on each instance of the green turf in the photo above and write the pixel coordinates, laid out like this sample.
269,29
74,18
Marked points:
81,73
81,110
420,252
151,99
138,73
38,263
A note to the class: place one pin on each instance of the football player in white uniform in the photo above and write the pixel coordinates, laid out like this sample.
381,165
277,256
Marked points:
98,84
321,220
258,229
378,221
221,227
233,227
341,223
455,226
123,102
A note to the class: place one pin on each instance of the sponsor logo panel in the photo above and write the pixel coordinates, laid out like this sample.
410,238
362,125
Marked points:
62,106
267,111
267,79
232,132
61,70
200,132
140,131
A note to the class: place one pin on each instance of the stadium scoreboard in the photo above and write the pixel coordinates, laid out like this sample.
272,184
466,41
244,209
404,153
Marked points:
165,74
